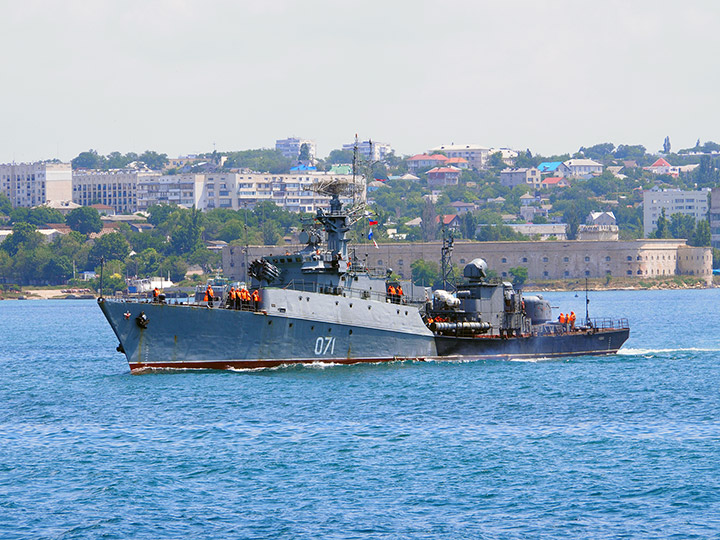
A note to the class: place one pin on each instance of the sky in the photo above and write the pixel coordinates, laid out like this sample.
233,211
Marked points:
185,76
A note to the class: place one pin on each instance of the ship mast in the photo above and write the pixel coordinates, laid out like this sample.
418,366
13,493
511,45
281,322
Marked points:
448,276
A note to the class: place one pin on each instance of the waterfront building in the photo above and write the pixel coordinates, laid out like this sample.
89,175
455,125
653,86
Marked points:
673,201
568,259
33,184
419,162
116,188
290,148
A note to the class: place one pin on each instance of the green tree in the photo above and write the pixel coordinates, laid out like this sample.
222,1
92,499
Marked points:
186,234
5,204
701,238
262,160
666,145
304,155
340,157
84,220
424,273
429,225
58,270
599,152
495,161
110,246
519,274
682,226
153,160
663,227
572,219
24,235
88,160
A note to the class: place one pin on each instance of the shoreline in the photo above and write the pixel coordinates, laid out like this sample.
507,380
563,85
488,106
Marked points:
556,286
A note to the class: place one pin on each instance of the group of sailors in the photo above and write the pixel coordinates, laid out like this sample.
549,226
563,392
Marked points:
567,321
395,294
241,298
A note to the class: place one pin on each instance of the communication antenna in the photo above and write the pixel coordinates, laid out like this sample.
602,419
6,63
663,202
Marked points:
448,277
587,303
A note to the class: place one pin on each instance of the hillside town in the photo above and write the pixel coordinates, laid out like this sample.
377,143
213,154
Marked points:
604,212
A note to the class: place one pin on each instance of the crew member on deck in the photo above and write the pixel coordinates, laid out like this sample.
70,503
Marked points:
391,293
399,294
572,320
209,295
231,298
256,299
561,320
244,298
156,294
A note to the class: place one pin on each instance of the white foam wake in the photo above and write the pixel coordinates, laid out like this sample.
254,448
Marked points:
641,352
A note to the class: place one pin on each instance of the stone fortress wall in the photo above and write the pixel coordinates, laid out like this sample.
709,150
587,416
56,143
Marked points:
570,259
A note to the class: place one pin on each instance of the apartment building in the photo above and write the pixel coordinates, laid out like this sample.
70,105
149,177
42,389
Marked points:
673,201
476,155
715,217
370,150
235,190
290,148
33,184
116,188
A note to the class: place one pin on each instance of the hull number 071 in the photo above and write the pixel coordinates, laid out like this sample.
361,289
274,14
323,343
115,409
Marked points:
323,345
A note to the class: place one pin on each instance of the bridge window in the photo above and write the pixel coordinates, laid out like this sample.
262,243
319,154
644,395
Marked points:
567,274
566,259
503,260
524,259
629,272
545,274
587,259
545,259
607,259
587,272
629,258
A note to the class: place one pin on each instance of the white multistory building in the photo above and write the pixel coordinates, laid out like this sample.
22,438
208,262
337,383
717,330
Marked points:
476,155
290,148
236,190
33,184
673,201
370,150
116,188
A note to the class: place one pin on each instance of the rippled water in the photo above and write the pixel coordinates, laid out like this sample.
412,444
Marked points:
610,447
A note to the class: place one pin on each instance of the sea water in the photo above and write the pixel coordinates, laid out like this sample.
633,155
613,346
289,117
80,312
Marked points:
625,446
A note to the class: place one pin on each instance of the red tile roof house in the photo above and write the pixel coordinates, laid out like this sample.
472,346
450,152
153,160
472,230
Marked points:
423,161
451,221
554,182
443,176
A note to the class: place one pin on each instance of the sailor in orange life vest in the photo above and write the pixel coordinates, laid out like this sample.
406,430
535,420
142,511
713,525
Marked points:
256,299
561,320
156,294
399,293
231,298
391,293
244,298
209,295
572,320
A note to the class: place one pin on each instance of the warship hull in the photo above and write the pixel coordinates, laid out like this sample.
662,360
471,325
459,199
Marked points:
196,337
578,343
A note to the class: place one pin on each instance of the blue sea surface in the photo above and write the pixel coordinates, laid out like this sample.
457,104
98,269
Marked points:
625,446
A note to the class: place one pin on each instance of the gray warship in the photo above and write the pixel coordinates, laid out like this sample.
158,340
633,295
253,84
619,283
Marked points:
322,304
